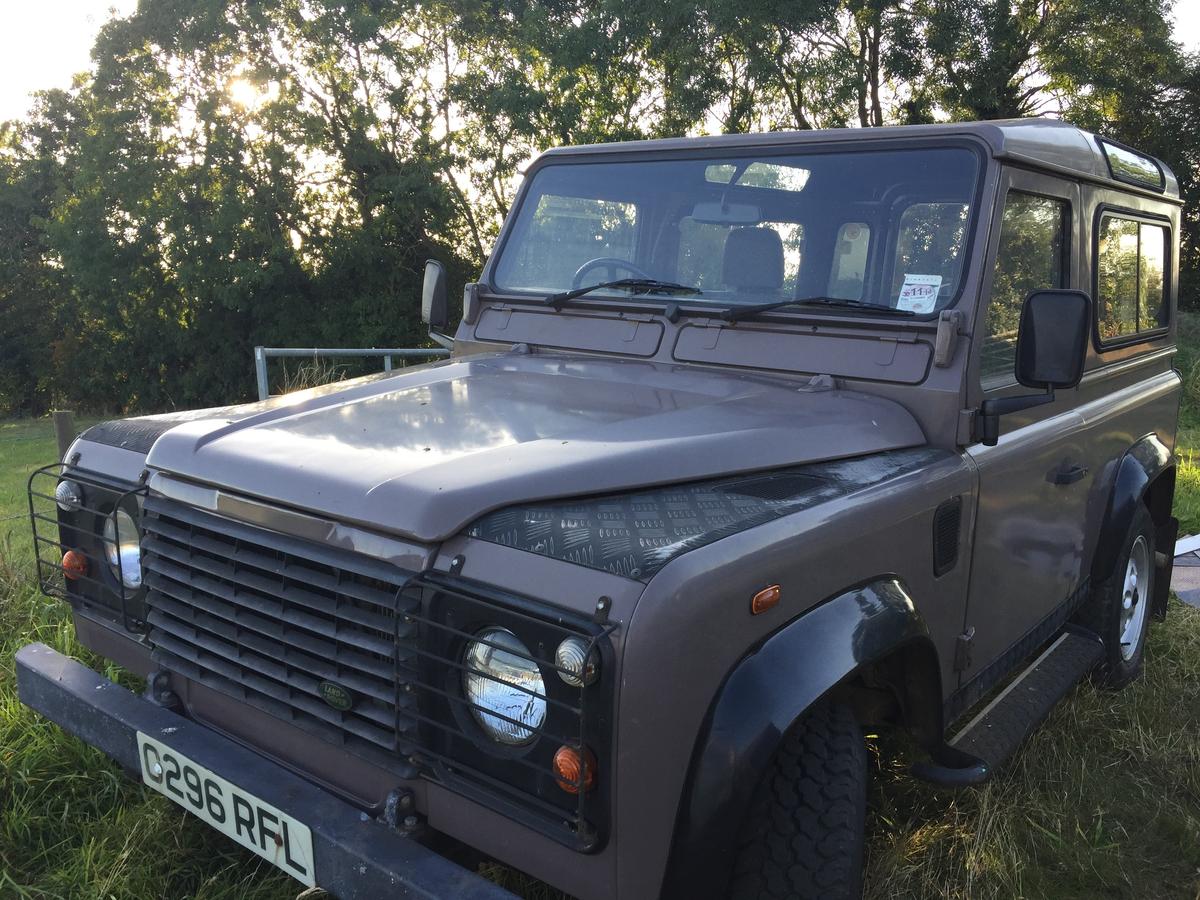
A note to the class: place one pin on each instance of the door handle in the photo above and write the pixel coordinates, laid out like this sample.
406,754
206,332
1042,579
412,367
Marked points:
1068,473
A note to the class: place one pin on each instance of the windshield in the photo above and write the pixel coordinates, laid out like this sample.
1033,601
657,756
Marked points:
886,227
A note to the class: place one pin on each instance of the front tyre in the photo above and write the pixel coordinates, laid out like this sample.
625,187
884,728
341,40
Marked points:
804,834
1119,609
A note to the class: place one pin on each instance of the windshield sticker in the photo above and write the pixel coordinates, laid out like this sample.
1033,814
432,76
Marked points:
919,293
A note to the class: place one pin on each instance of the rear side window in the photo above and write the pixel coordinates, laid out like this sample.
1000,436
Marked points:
1031,257
1131,260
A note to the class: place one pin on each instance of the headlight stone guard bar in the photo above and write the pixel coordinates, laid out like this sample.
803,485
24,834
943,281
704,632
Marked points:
584,707
84,534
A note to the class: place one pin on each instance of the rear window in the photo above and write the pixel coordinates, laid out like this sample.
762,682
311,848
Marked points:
1131,259
702,245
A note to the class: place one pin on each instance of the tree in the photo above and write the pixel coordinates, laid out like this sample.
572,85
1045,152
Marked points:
231,172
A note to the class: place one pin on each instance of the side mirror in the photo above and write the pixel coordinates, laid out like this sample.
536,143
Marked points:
435,310
1052,344
1052,339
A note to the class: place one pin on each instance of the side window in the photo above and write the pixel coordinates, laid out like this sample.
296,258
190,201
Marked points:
566,232
702,252
1131,259
929,246
848,272
1031,257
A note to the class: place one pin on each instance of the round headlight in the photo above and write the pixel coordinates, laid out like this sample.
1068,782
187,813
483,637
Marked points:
122,549
501,679
68,495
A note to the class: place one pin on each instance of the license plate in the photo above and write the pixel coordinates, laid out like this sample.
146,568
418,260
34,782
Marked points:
236,813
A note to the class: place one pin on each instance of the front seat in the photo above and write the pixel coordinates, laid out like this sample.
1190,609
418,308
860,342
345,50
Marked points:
753,261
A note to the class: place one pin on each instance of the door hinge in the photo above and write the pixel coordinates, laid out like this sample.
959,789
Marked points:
962,650
965,433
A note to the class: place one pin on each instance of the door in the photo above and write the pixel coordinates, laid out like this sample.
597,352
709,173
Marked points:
1034,484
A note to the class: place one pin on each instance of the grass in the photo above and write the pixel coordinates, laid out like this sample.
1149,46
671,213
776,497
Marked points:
1102,802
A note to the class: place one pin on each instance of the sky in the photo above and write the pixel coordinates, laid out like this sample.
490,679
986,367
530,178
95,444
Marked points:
1187,24
43,44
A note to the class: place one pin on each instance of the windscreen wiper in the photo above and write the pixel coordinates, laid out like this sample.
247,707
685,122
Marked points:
637,285
737,313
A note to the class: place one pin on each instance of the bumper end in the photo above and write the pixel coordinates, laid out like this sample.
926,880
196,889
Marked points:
355,855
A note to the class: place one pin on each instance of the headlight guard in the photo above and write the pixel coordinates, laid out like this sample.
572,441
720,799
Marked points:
518,775
72,534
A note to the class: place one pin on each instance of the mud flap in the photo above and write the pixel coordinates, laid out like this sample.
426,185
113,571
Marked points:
1164,565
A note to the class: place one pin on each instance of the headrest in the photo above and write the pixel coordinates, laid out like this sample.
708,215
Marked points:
753,259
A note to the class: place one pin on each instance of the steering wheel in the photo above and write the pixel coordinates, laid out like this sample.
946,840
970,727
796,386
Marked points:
608,262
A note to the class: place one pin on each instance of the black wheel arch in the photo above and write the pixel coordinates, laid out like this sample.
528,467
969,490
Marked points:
1145,475
865,640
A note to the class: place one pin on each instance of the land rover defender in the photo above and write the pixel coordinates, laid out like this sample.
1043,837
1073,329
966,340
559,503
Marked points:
748,445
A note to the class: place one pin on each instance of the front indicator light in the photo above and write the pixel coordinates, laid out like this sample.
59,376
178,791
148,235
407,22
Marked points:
574,769
74,565
577,666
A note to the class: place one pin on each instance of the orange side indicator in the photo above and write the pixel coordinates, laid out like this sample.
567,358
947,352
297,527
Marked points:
574,768
74,564
767,598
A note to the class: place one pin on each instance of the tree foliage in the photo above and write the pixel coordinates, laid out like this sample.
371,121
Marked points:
233,172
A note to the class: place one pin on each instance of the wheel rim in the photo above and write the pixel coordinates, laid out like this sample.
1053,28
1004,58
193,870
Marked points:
1135,596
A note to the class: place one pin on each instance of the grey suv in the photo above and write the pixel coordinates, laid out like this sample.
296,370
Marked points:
747,444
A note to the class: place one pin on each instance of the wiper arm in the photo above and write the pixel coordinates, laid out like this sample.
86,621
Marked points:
737,313
637,285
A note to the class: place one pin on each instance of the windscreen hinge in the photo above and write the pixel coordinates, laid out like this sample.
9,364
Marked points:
948,330
818,384
902,337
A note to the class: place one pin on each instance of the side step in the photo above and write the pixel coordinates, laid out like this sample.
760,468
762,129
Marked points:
999,729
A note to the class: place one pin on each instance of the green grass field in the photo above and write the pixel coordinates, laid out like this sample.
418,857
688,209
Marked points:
1103,801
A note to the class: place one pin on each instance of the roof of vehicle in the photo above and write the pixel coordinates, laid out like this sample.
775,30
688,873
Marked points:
1045,143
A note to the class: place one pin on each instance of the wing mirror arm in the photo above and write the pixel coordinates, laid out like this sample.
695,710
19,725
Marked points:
987,423
1051,350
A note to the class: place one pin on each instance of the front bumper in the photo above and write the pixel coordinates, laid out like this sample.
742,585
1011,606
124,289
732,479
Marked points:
355,856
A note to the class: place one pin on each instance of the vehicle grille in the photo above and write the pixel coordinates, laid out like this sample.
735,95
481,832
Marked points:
266,619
